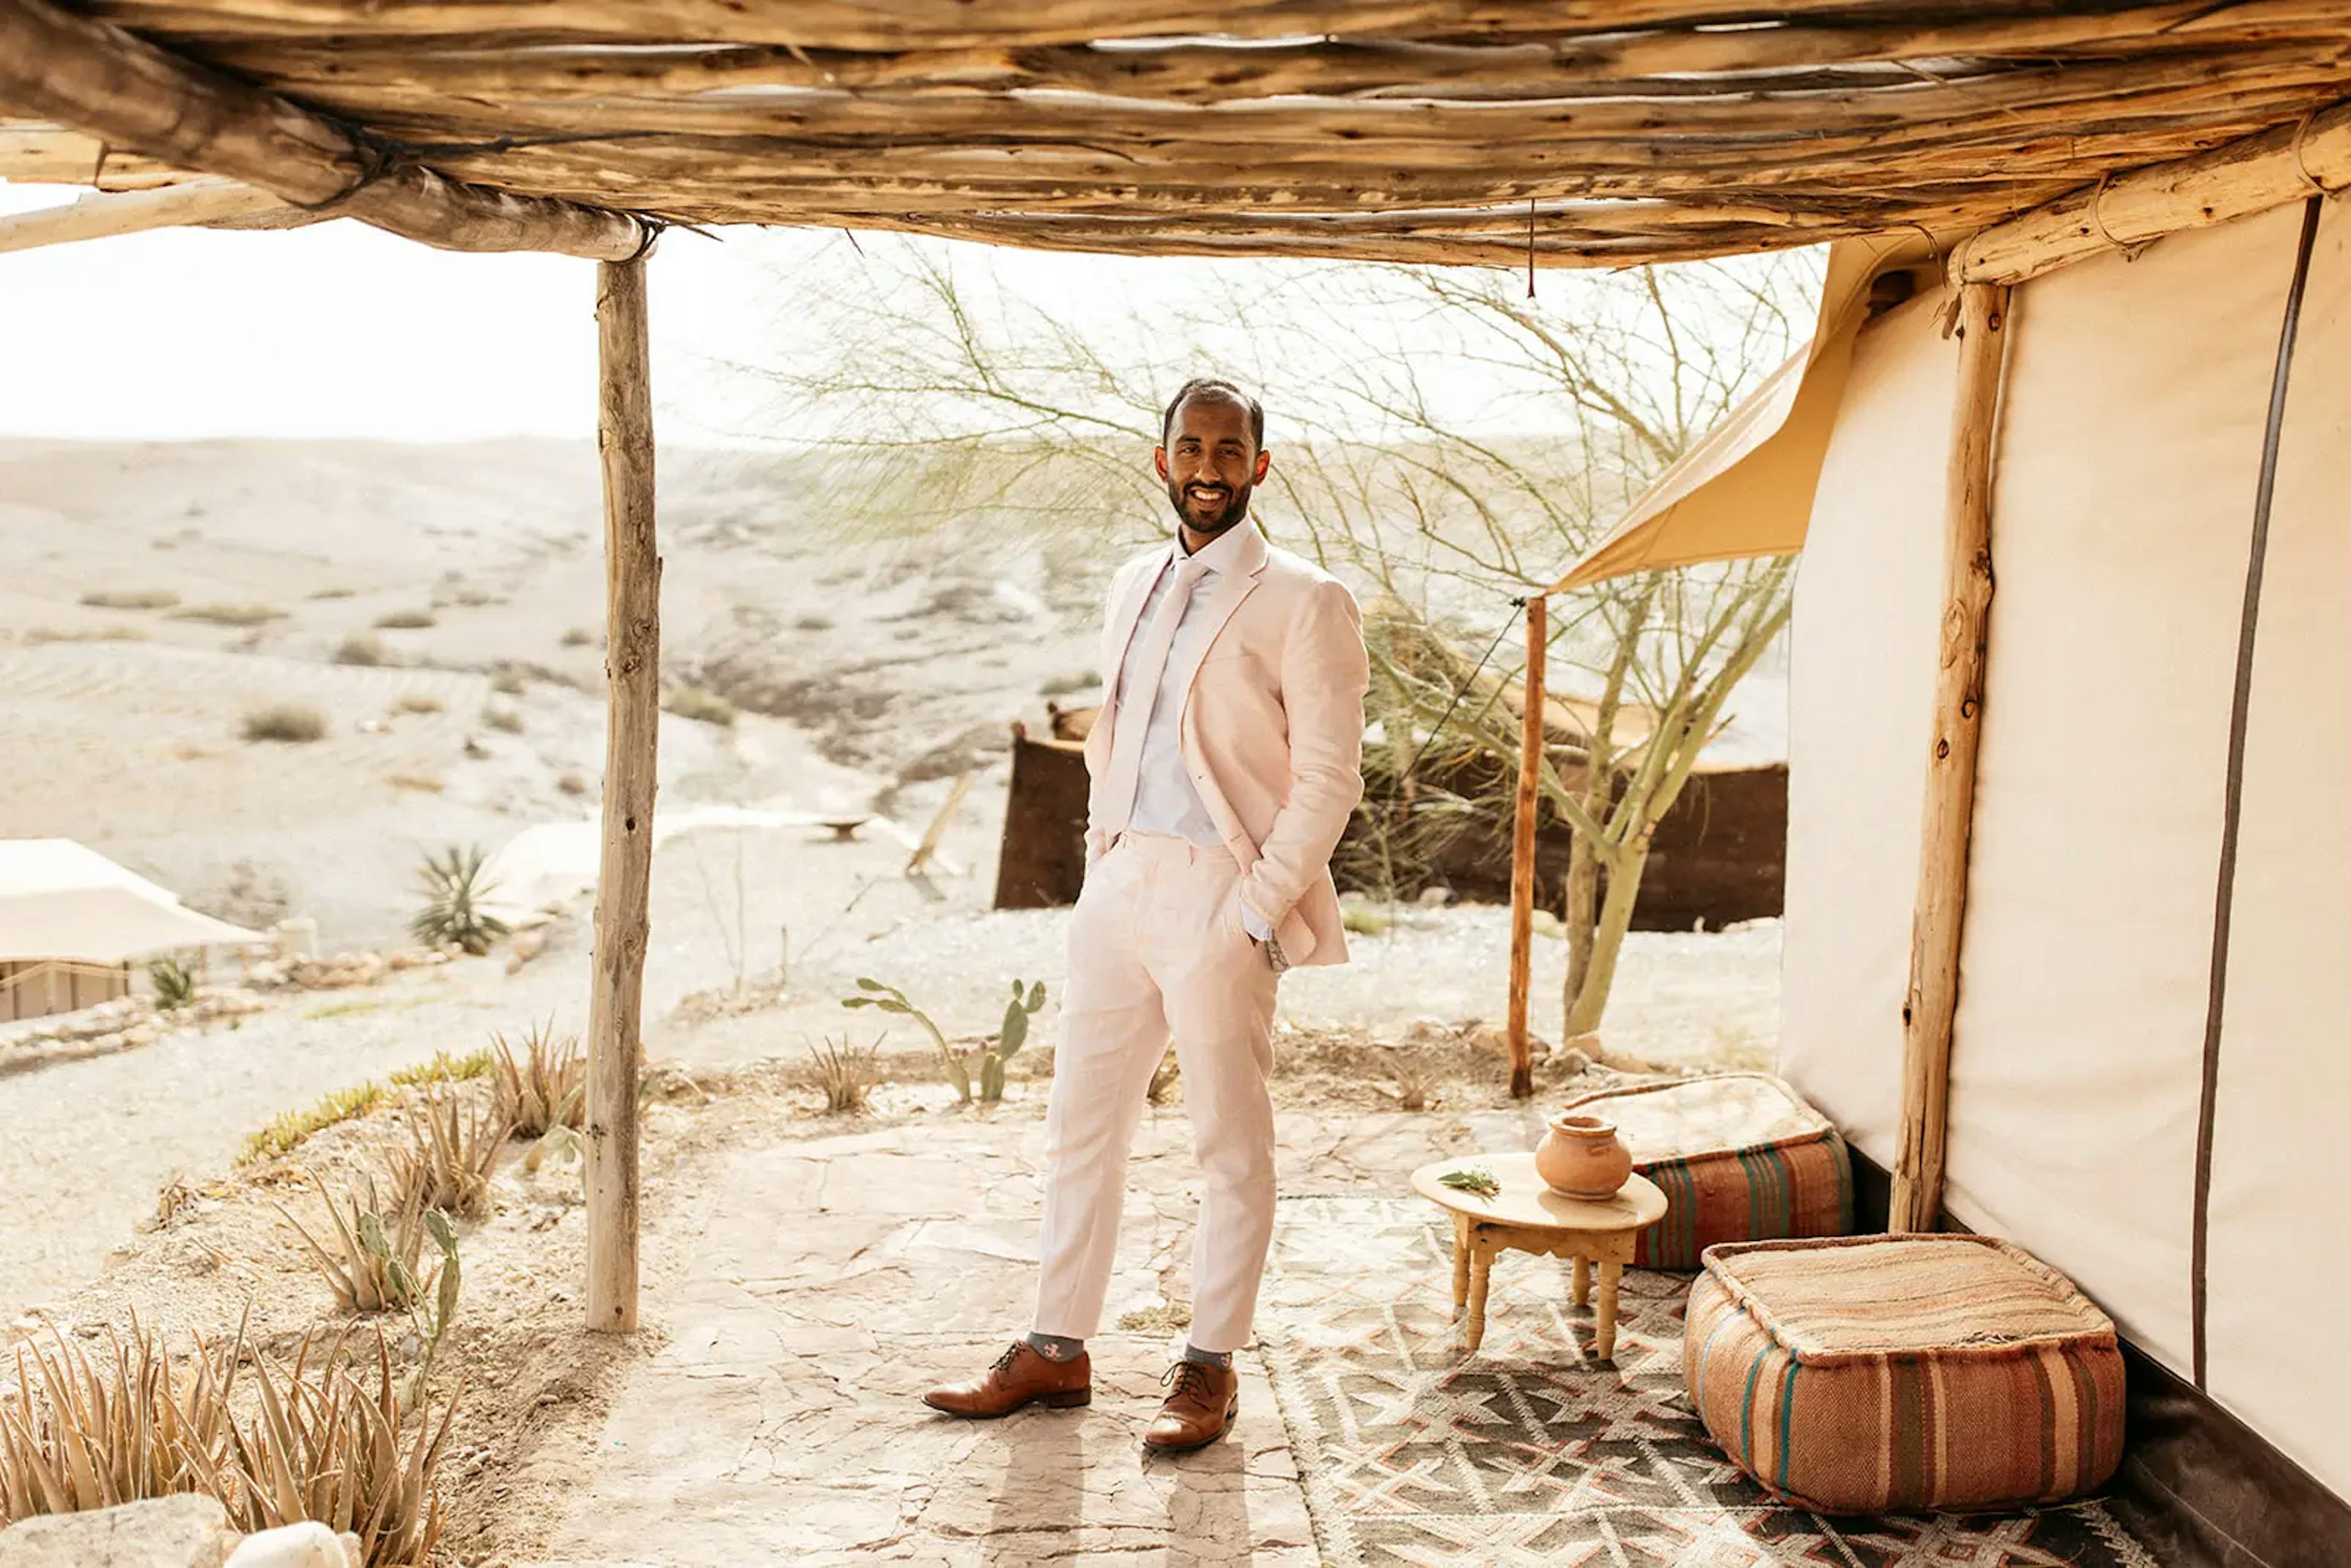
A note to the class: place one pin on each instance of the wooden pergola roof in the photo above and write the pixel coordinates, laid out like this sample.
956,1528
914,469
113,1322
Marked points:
1591,132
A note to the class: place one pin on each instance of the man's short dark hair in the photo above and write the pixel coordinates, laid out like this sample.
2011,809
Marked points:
1216,387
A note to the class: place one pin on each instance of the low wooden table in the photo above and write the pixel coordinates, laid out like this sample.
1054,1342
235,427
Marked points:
1528,1217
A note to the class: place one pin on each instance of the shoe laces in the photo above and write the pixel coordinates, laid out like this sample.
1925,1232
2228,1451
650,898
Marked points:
1185,1377
1011,1353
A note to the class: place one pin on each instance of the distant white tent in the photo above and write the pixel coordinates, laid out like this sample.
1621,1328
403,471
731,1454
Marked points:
61,901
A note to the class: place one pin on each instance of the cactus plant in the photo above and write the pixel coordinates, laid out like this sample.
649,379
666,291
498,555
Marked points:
993,1053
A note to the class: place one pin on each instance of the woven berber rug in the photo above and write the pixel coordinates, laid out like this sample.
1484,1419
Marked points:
1531,1452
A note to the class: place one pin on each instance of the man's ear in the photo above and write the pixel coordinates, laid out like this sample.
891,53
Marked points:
1264,462
1159,460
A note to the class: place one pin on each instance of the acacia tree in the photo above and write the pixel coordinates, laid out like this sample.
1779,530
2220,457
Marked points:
1440,436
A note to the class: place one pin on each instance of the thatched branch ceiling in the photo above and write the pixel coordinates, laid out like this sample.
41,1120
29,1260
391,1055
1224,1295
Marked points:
1406,129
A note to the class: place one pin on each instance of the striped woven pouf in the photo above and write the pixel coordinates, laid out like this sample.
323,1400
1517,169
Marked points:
1738,1156
1892,1374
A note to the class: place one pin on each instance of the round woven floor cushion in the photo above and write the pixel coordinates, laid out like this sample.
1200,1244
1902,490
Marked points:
1740,1158
1894,1374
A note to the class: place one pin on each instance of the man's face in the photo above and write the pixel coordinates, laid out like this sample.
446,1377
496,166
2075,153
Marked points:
1210,463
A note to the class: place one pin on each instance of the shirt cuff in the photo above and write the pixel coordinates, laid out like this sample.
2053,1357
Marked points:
1254,923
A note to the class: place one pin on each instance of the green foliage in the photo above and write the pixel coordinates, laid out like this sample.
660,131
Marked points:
993,1053
454,889
290,722
443,1068
175,987
286,1134
371,1268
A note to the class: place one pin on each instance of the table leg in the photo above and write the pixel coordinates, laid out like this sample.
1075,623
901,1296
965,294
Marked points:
1583,1276
1460,1262
1603,1333
1481,1263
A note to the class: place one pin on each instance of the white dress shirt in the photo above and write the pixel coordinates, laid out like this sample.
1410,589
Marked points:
1165,801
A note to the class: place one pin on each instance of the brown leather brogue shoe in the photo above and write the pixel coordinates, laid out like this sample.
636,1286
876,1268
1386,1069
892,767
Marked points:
1202,1403
1020,1376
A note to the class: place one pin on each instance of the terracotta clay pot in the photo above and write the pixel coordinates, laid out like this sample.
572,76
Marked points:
1579,1157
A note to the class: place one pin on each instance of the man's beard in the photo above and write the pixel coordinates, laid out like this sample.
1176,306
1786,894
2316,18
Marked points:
1236,507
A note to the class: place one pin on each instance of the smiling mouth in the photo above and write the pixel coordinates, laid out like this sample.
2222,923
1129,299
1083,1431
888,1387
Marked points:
1208,496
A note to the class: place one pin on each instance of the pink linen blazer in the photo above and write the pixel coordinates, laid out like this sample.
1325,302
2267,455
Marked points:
1273,728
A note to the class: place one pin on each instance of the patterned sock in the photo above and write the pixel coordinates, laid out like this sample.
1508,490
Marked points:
1223,1358
1053,1347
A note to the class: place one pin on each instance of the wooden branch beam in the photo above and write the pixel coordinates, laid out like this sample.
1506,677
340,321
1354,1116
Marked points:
38,153
901,25
1938,917
1212,70
104,81
2245,177
1522,850
633,567
107,214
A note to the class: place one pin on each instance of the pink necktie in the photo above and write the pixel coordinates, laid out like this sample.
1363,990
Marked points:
1139,693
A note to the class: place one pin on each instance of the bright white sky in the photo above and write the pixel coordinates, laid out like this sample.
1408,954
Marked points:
341,331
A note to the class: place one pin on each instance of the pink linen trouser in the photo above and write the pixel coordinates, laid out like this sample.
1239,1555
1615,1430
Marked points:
1157,948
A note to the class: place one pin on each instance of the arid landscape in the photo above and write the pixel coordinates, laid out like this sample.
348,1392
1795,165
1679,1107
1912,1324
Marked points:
439,608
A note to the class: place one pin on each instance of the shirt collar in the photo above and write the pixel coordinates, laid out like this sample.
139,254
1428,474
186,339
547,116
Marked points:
1220,554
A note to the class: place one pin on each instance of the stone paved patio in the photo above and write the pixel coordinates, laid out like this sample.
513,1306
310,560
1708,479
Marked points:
832,1279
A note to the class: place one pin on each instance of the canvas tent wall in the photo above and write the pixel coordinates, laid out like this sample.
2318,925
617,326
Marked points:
65,910
2095,999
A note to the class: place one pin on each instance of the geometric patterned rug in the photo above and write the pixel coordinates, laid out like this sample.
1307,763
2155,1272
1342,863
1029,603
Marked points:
1531,1451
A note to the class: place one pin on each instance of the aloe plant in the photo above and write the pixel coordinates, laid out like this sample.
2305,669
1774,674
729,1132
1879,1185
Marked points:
993,1052
175,987
453,888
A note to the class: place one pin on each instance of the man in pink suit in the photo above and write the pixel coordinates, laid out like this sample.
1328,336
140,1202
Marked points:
1224,763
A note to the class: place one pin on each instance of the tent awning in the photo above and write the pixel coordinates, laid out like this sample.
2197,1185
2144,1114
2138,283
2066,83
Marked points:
60,900
1745,488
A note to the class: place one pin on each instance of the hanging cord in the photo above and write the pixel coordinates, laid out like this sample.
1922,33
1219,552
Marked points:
1463,689
1530,259
2302,129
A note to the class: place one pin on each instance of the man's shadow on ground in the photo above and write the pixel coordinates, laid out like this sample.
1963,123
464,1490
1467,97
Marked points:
1041,1502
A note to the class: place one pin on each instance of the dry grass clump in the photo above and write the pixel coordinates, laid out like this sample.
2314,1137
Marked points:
577,637
286,1134
230,615
572,784
372,1266
509,682
699,702
421,783
333,593
404,621
131,598
505,719
546,1086
847,1073
290,722
417,702
447,1166
363,649
40,635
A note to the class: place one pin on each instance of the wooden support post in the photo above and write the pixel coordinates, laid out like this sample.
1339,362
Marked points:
624,438
1939,916
129,93
1522,852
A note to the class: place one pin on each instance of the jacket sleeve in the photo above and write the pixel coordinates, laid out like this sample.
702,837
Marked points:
1324,674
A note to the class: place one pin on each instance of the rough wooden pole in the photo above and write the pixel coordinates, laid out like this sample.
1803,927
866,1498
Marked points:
1522,852
1939,916
108,214
624,438
95,77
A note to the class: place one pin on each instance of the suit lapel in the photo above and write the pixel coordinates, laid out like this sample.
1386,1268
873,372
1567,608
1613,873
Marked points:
1120,635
